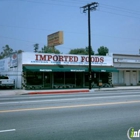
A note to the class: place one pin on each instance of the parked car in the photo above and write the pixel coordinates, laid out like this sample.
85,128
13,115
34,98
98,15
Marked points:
6,82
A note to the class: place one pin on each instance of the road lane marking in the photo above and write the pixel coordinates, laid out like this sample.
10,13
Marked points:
9,130
71,99
70,106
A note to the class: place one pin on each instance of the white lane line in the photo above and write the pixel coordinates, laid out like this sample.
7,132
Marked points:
8,130
101,92
57,100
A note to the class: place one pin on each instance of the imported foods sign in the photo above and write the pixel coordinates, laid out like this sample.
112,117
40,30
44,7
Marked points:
65,59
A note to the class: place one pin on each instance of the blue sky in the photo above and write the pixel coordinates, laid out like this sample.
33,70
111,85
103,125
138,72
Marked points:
115,24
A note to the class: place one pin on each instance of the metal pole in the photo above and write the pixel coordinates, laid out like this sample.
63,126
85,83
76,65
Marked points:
88,8
89,47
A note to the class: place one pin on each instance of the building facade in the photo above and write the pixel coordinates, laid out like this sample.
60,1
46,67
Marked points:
129,69
49,71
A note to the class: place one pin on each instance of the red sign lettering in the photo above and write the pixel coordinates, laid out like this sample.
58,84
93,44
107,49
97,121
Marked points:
61,58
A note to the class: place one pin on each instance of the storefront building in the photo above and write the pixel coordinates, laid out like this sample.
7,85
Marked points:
129,69
49,71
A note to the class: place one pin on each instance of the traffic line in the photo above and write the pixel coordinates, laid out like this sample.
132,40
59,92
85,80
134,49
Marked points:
67,99
70,106
9,130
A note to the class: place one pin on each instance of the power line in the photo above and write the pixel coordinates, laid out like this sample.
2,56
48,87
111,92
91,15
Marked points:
64,48
70,32
19,39
25,40
80,2
117,14
47,3
120,8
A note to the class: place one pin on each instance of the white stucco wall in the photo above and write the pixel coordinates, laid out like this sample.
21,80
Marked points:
12,72
125,63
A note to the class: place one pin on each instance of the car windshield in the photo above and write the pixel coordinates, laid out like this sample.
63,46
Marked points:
4,77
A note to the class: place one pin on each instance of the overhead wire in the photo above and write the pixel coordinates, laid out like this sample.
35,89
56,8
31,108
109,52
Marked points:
130,11
120,8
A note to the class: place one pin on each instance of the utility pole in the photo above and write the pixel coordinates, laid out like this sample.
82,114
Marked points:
89,7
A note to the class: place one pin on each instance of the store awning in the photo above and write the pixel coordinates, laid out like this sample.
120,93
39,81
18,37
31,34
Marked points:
60,68
57,68
104,69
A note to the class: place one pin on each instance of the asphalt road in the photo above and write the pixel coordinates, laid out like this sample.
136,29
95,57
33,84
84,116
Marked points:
100,115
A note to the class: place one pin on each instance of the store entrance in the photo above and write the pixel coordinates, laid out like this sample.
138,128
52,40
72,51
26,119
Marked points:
79,79
47,80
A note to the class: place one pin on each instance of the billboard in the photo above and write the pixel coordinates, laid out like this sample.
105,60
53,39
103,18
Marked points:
13,60
55,39
4,64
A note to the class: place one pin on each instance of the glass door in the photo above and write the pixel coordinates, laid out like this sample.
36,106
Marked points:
79,79
47,80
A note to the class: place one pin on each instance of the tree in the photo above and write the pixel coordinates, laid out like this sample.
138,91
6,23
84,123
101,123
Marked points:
19,51
87,49
47,49
36,47
81,51
103,50
1,55
7,51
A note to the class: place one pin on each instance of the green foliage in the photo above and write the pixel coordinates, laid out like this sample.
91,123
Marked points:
103,50
47,49
19,51
87,49
81,51
7,51
36,47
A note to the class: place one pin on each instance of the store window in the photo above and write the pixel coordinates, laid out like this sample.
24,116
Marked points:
34,78
86,79
95,78
79,79
69,78
104,76
58,78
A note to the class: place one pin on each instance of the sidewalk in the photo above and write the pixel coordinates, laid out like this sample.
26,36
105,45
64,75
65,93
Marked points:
63,91
119,88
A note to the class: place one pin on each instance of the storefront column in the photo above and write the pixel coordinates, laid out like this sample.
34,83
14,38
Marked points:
64,78
121,77
43,79
138,75
83,79
75,78
52,79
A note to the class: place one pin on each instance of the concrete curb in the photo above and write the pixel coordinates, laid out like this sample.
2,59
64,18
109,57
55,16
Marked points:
58,91
117,89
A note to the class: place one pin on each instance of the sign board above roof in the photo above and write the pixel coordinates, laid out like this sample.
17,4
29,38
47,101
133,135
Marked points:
55,39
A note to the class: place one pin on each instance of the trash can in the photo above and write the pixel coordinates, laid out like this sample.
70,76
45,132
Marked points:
100,83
